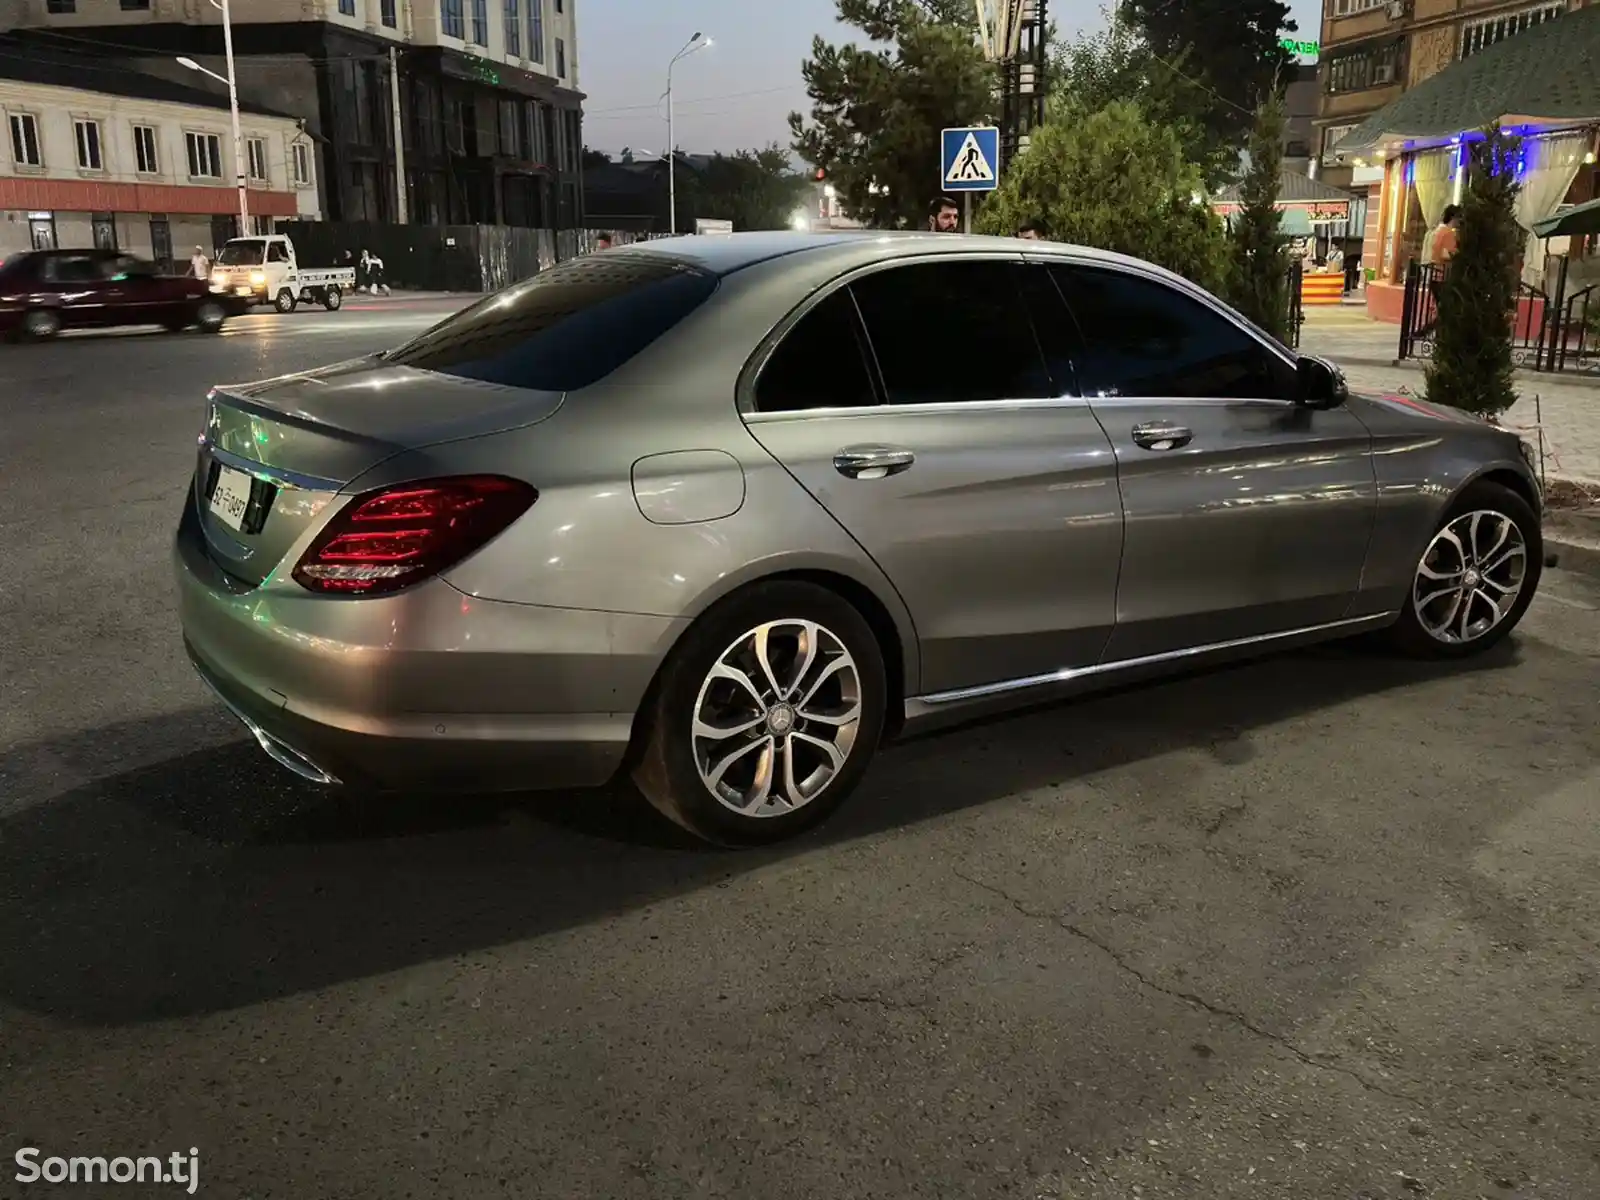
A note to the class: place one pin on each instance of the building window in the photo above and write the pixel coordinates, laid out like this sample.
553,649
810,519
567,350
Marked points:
1370,66
256,153
536,30
386,14
145,159
1485,32
302,165
205,155
451,19
561,59
135,5
25,140
514,27
1346,8
347,8
559,4
480,22
1331,137
61,6
87,136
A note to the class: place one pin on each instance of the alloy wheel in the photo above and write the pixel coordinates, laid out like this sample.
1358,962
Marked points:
1471,577
776,718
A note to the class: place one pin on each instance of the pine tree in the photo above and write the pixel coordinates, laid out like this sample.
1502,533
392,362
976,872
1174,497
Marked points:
1259,280
1232,49
1471,367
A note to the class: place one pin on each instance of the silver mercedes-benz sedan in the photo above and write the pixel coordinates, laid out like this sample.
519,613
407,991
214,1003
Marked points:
727,512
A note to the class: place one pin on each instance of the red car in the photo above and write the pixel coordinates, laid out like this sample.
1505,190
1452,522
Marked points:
43,292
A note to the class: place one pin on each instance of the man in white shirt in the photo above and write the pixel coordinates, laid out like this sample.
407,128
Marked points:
200,265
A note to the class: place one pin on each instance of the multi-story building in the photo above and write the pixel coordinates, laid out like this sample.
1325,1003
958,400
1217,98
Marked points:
485,92
1372,51
95,154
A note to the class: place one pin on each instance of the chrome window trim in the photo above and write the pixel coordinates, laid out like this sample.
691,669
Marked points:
1071,674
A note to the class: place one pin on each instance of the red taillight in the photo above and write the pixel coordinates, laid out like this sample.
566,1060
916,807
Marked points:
390,539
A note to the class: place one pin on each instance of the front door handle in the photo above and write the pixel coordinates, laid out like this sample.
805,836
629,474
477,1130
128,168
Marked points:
1161,435
872,462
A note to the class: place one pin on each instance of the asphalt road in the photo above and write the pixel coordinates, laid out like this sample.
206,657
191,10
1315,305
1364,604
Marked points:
1321,927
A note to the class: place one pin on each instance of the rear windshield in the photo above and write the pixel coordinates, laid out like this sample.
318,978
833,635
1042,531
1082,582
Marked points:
566,327
241,254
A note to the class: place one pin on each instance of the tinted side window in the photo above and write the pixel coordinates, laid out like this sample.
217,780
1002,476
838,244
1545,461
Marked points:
566,327
819,363
72,270
1143,338
952,332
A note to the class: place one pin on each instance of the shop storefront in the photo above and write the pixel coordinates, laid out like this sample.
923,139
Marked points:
1541,87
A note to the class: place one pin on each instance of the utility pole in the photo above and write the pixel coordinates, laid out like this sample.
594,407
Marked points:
1013,34
399,139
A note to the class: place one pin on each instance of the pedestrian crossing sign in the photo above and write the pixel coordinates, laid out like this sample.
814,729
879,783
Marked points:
969,159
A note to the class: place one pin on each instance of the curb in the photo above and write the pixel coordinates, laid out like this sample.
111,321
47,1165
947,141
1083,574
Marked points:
1580,557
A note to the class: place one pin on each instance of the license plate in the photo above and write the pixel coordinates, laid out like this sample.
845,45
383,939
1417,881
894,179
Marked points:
231,497
244,291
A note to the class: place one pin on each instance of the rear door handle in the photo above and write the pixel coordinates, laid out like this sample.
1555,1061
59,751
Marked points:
1161,435
872,462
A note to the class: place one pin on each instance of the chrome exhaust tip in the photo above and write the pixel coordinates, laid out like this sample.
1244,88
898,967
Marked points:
278,751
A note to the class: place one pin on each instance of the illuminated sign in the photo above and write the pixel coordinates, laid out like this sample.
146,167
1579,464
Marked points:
1311,50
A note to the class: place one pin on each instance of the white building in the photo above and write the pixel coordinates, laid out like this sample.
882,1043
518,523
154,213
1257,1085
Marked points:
96,155
487,92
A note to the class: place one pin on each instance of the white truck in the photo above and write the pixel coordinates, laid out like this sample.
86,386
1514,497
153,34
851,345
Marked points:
265,270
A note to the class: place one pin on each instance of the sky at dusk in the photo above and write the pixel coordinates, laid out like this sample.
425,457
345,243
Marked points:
738,92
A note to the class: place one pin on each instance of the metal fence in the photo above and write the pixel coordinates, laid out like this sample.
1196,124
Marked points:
443,258
1297,306
1550,330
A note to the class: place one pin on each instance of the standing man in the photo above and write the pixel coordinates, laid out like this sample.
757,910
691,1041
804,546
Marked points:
1441,244
1030,231
200,265
944,216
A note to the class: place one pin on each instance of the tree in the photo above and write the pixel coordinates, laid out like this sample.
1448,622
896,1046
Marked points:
1230,49
1258,283
876,111
1114,179
1471,367
755,189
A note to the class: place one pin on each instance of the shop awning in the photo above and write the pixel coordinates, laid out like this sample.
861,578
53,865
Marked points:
1544,77
1298,195
1577,220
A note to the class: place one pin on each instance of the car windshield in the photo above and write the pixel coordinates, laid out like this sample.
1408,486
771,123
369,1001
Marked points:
242,254
566,327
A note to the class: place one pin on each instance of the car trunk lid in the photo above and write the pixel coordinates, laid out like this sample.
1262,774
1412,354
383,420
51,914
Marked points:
276,454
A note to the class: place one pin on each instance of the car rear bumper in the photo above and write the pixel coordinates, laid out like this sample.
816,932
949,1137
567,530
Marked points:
429,690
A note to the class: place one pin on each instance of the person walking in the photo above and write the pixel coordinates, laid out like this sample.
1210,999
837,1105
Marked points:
199,264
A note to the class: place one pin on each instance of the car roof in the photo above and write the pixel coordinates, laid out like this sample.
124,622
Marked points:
725,253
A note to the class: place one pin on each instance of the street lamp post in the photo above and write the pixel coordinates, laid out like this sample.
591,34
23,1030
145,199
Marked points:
698,42
239,172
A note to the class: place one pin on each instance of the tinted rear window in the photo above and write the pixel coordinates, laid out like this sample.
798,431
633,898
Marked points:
566,327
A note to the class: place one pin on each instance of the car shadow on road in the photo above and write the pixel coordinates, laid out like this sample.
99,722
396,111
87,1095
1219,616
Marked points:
211,880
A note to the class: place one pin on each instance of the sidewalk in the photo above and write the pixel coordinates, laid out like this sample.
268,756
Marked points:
1567,406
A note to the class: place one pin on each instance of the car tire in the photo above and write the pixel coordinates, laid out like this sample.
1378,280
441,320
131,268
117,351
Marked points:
332,299
40,324
811,742
1475,579
209,316
286,301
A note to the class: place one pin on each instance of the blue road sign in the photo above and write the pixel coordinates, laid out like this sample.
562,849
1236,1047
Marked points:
969,159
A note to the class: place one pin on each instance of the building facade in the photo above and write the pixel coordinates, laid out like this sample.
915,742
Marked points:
484,92
112,158
1372,51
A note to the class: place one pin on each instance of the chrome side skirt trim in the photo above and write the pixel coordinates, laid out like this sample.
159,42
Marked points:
1070,674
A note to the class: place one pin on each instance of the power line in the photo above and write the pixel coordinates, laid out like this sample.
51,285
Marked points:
628,108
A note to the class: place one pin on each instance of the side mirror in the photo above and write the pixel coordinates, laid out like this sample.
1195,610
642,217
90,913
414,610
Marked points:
1321,383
